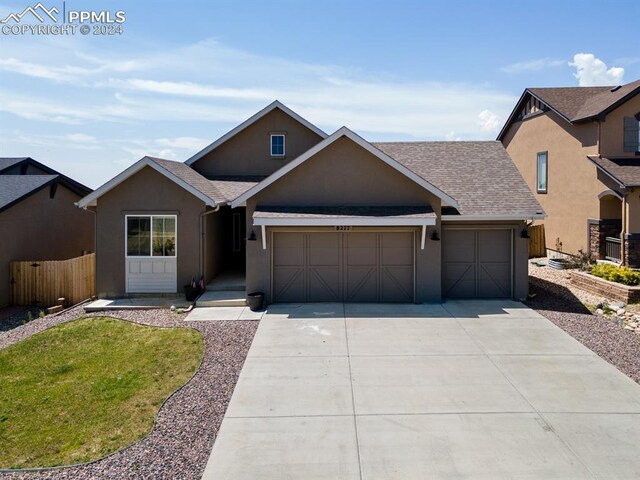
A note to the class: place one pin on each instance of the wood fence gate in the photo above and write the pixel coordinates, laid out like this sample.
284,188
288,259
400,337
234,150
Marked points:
42,283
537,244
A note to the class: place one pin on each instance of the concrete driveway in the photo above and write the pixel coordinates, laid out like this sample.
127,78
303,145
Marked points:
467,389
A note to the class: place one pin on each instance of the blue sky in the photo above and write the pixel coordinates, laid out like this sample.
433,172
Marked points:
184,73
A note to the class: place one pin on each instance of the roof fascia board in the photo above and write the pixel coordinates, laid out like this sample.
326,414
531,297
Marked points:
344,131
251,120
90,200
331,222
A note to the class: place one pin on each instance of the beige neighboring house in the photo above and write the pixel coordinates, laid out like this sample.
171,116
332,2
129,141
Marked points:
38,216
578,149
304,216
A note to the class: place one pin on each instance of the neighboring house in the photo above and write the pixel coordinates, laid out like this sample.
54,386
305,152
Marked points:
578,149
307,216
38,218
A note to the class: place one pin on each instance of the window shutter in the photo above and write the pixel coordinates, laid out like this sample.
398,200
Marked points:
631,134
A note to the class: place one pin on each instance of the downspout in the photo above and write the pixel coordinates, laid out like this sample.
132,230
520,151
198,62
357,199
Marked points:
624,228
202,215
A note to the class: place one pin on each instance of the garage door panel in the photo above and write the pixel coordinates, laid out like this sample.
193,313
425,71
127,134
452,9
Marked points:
477,263
397,284
361,284
288,284
459,280
343,266
324,284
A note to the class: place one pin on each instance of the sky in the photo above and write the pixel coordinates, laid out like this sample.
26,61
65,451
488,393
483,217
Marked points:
181,74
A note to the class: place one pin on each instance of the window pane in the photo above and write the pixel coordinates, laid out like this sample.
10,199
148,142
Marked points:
277,145
542,172
158,225
138,231
170,246
169,225
158,245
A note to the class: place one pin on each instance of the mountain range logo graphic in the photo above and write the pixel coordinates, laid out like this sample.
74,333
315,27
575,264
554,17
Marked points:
38,10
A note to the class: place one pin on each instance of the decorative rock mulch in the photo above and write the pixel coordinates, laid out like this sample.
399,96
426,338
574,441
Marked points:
179,445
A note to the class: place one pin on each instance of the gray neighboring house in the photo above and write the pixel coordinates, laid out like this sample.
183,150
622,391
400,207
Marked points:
308,217
38,216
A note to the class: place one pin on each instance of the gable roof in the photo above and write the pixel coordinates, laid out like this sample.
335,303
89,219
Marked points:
269,108
577,104
479,175
8,162
15,188
345,132
177,172
70,183
625,171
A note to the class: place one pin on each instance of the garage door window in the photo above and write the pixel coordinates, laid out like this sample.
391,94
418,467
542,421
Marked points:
151,235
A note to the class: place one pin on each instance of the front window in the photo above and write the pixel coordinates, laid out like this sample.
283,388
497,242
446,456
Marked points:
277,145
543,170
151,235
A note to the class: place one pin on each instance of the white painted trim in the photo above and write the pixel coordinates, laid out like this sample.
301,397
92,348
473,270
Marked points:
495,218
264,236
284,145
352,222
91,199
249,122
345,132
609,193
423,237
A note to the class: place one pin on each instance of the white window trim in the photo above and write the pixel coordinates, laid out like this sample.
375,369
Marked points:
284,145
151,255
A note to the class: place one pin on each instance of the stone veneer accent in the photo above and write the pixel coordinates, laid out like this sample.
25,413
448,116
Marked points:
604,288
599,229
632,250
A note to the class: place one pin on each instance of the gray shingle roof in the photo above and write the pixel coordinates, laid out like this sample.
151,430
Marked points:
581,103
232,187
343,212
625,170
193,178
480,176
15,187
6,162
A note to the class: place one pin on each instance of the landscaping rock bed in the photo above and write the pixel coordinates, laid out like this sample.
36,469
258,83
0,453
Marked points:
565,305
179,445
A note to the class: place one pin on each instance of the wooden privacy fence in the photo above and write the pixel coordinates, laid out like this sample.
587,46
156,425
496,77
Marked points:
537,245
42,283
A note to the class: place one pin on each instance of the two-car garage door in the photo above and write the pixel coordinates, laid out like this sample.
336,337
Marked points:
477,263
337,266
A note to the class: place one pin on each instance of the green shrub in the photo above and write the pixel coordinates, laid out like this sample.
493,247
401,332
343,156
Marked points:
623,275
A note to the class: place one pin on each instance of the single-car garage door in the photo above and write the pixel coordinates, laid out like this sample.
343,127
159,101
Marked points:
343,266
477,263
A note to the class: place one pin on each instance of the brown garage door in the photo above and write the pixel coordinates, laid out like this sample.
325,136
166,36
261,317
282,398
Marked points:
476,263
343,266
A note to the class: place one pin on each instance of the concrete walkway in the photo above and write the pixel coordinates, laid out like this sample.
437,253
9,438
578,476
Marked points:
467,389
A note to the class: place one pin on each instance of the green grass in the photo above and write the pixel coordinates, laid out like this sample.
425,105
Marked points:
87,388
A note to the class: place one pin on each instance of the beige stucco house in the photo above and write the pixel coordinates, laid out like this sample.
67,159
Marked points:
38,217
305,216
578,150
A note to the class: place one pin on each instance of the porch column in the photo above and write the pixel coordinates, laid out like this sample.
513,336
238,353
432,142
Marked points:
631,236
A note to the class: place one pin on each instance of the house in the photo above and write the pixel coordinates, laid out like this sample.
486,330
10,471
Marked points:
308,217
578,149
38,216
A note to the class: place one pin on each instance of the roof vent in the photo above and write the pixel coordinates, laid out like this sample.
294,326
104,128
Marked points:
616,88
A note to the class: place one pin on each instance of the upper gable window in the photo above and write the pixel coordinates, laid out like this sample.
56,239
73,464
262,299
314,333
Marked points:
632,134
543,172
277,145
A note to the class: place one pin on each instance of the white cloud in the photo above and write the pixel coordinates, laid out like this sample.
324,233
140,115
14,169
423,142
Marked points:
186,143
532,65
80,138
591,71
489,121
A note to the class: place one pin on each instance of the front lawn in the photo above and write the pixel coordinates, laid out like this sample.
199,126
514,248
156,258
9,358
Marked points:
86,388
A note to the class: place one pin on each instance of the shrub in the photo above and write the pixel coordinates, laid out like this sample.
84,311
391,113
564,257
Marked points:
623,275
582,261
